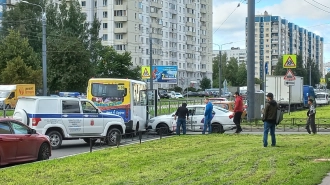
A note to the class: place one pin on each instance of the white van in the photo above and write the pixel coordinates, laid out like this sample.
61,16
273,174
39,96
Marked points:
64,118
322,98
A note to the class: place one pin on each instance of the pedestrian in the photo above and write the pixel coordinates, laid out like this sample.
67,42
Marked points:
208,116
238,111
269,119
311,117
183,115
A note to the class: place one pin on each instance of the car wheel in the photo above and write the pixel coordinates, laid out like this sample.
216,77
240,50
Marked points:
217,128
89,140
44,152
112,136
162,128
55,139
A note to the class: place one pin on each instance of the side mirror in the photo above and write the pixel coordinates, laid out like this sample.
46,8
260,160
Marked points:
32,131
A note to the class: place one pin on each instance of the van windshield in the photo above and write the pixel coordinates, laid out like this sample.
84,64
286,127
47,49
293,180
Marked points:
320,96
111,92
4,94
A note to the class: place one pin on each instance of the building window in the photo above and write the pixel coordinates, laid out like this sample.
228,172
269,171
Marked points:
119,2
120,12
119,25
83,3
105,14
105,2
105,37
119,36
120,47
105,25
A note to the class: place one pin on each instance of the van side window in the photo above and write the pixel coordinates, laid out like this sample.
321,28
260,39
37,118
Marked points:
69,106
88,107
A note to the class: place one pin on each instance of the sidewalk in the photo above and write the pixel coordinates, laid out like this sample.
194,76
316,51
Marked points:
326,180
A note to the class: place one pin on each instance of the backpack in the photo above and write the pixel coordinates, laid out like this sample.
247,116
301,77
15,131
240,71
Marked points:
279,116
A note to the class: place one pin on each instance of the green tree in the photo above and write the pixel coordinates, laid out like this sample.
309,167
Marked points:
241,75
215,68
311,67
231,72
17,72
177,89
205,83
327,77
115,65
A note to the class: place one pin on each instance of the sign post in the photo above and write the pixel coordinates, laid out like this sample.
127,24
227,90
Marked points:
289,62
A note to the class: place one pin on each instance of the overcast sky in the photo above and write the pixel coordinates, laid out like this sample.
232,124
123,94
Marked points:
300,12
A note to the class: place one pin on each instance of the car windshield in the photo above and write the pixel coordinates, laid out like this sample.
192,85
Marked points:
178,94
320,96
221,109
4,94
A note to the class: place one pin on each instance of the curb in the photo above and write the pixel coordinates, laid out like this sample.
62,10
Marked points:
326,180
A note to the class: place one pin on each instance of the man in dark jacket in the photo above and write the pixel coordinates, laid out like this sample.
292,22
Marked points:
311,117
269,119
182,112
238,111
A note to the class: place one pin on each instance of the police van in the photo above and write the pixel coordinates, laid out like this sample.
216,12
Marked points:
67,118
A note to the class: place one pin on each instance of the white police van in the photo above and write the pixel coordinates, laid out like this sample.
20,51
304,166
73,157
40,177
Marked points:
65,118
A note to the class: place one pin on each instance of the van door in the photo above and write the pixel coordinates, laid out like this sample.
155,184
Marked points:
72,118
93,122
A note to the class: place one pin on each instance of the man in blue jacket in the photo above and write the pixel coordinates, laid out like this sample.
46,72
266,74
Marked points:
207,116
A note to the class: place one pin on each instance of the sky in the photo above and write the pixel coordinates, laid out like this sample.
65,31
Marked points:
229,20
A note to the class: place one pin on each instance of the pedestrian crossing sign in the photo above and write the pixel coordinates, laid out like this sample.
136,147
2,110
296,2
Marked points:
289,61
145,72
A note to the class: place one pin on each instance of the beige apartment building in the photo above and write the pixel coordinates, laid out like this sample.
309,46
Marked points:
181,32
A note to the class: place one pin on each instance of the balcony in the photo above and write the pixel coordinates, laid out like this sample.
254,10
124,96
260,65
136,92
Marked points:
274,30
120,7
153,14
189,60
189,24
203,19
120,30
189,42
203,36
156,4
173,11
190,69
190,5
190,15
203,10
156,25
203,2
157,36
203,27
120,18
275,41
203,45
190,33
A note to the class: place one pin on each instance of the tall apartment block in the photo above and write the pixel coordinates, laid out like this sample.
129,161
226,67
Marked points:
275,37
181,32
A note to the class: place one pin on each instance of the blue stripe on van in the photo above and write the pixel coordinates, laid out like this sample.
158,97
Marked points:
72,116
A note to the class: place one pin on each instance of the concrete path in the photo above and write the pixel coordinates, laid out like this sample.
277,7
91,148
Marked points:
326,180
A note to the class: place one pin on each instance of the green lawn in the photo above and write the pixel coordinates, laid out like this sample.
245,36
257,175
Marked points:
195,159
8,113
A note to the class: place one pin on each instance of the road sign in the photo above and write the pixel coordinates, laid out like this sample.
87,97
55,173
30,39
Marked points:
289,61
322,81
289,83
289,76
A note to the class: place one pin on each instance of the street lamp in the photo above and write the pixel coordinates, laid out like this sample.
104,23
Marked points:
220,48
44,54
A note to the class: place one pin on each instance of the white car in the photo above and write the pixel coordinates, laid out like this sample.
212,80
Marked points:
221,122
178,95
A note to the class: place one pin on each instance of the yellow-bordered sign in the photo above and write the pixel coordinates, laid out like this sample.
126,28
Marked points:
145,72
322,81
289,61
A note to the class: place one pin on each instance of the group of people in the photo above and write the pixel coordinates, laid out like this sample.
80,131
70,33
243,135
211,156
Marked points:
269,117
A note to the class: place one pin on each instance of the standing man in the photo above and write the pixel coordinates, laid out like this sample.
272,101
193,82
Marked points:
208,116
238,111
182,112
311,117
269,119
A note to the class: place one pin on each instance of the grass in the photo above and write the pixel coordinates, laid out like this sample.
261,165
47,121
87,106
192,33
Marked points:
8,113
195,159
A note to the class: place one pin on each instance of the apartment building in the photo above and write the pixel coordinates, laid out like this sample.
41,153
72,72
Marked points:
275,36
233,52
181,32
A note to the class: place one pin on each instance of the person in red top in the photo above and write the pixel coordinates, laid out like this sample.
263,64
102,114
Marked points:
238,111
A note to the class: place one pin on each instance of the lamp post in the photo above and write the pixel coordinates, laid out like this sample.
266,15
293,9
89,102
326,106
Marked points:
220,48
44,52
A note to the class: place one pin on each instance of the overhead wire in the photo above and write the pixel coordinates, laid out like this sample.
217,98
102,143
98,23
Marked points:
321,4
316,6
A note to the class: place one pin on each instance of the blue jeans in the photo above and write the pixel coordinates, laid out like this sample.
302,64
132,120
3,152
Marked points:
269,127
207,125
181,122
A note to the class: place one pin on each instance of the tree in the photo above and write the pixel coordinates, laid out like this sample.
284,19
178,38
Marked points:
177,89
241,75
115,65
327,77
205,83
17,72
231,72
215,68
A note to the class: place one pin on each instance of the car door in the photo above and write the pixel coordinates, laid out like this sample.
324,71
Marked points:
93,124
189,124
27,142
8,144
197,118
72,118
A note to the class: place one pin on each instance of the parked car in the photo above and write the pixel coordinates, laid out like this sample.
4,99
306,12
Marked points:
164,94
67,118
229,105
178,95
203,94
221,122
19,143
191,94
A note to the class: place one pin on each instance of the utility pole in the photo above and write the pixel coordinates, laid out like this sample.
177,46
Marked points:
310,74
220,72
151,63
250,59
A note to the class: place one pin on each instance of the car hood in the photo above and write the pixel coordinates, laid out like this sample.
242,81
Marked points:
163,117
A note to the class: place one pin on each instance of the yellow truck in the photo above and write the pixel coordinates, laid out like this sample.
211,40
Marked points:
9,94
